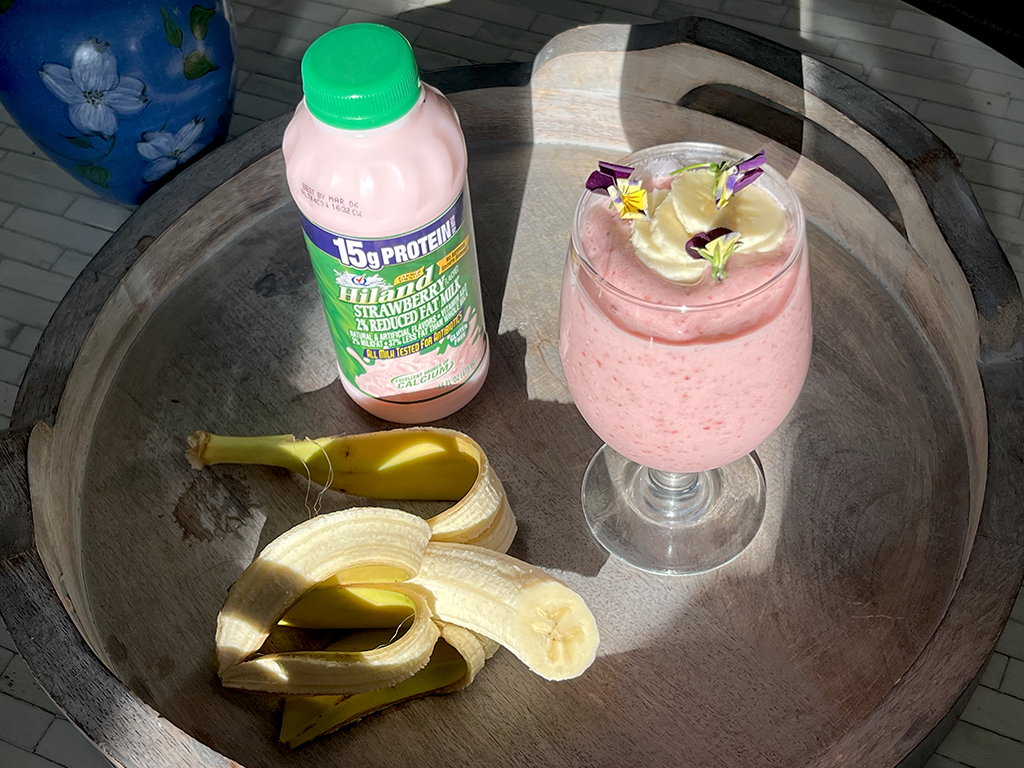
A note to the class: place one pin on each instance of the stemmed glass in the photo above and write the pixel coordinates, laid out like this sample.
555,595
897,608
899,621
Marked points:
682,383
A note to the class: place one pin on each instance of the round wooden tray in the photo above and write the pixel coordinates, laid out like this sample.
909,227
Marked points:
845,635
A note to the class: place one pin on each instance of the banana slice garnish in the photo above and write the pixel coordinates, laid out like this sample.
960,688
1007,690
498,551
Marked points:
660,243
688,208
753,212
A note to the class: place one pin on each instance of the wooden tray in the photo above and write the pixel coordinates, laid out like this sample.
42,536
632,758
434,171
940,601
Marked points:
847,634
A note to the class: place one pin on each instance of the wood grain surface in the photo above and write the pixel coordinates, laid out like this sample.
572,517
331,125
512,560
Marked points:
838,595
842,636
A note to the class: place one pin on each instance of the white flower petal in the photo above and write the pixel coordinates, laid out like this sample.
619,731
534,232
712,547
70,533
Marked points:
89,118
189,153
158,168
128,98
160,142
93,66
188,134
148,150
58,80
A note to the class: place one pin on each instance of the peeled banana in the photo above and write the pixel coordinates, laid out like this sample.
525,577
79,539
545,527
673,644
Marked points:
543,622
431,601
539,619
425,463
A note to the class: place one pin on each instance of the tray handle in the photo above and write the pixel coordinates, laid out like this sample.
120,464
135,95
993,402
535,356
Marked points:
936,204
926,183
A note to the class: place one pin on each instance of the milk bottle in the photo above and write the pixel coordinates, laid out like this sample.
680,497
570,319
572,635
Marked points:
376,163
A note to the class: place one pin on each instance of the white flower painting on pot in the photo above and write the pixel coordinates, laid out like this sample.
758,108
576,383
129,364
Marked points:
167,150
96,96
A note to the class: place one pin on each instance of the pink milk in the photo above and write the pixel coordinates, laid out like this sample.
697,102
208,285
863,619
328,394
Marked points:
682,391
376,163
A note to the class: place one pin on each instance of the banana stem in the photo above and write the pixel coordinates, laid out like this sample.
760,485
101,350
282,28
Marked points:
205,449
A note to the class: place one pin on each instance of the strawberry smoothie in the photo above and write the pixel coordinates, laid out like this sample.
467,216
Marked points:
682,378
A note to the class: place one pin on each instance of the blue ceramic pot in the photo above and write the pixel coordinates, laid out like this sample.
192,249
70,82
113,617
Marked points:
120,93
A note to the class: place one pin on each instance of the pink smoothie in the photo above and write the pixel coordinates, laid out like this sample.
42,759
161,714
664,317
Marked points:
674,390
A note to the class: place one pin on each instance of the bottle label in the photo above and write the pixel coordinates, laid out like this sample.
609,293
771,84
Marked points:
404,312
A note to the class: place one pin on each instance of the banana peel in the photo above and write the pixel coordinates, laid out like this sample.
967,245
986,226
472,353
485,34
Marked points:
303,557
458,655
333,671
349,607
422,463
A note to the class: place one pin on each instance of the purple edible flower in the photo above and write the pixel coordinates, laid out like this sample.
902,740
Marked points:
599,182
756,161
618,171
701,239
605,177
744,173
728,185
716,246
739,182
730,178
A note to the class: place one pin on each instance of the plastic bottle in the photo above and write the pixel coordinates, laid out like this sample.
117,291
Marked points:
376,162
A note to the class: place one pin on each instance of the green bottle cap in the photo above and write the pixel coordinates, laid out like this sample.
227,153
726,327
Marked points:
360,76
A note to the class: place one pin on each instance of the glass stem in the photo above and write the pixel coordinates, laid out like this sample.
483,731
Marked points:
673,498
681,484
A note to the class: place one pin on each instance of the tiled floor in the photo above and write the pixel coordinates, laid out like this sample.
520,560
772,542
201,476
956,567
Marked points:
967,93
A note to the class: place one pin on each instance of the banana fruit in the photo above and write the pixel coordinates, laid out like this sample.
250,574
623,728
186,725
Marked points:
538,618
660,243
424,463
428,602
688,208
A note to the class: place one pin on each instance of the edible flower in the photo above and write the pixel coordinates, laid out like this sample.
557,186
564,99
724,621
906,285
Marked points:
629,199
730,177
716,246
627,195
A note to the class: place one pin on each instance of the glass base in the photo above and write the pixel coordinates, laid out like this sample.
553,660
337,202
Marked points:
673,522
